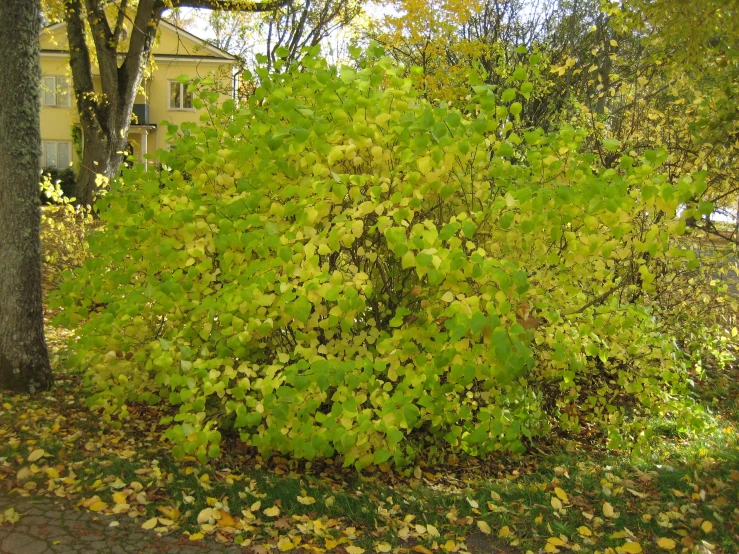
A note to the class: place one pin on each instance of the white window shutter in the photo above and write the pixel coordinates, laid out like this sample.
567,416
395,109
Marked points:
49,93
50,151
64,155
62,94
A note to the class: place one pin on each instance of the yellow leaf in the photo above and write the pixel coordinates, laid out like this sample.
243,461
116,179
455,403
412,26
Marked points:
631,548
196,536
556,503
120,498
561,494
255,507
383,547
433,531
608,510
274,511
307,500
150,523
584,531
98,506
707,526
484,527
449,546
556,541
227,520
666,544
354,549
419,548
205,515
285,544
36,455
504,532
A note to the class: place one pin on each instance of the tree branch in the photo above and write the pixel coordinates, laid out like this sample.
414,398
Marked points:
232,5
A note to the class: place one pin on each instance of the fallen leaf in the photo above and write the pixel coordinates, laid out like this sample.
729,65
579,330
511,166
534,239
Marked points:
608,510
354,550
196,536
631,548
274,511
36,455
150,523
306,500
561,494
707,526
666,544
584,531
484,527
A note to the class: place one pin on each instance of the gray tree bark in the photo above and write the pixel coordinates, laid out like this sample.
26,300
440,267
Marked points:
24,359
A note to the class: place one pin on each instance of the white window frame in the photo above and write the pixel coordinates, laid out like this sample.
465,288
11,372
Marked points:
183,92
49,146
56,91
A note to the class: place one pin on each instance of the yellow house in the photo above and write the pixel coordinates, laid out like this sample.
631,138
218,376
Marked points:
161,97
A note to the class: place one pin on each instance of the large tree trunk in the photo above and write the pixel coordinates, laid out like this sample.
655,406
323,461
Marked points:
102,155
24,359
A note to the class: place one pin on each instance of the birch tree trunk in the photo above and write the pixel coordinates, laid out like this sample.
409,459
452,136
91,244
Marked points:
24,359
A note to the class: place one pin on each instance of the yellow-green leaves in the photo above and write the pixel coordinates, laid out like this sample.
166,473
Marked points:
339,264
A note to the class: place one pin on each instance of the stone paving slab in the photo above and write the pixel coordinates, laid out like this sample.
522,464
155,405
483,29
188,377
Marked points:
47,526
51,526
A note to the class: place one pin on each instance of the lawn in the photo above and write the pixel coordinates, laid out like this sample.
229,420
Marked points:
566,495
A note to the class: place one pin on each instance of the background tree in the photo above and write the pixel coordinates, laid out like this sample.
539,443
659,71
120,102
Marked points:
24,359
283,33
105,118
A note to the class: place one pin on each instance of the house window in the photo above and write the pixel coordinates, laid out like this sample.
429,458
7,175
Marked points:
56,153
179,98
55,92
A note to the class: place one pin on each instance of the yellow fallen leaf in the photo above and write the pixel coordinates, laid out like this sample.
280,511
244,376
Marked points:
418,548
150,523
205,515
666,544
631,548
285,544
98,506
196,536
227,520
608,510
561,494
114,524
307,500
433,531
120,498
556,503
556,541
449,546
255,507
36,455
354,549
383,547
707,526
274,511
584,531
484,527
504,532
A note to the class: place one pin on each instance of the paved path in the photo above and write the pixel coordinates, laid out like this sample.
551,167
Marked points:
49,527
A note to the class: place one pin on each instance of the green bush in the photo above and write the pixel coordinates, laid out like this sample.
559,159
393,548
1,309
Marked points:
353,270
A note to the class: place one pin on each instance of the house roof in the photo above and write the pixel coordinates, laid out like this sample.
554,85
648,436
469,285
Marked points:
213,52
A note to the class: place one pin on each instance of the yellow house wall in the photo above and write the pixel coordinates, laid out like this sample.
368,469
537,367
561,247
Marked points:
56,123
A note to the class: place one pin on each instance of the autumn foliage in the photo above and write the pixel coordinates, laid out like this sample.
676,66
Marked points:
343,267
